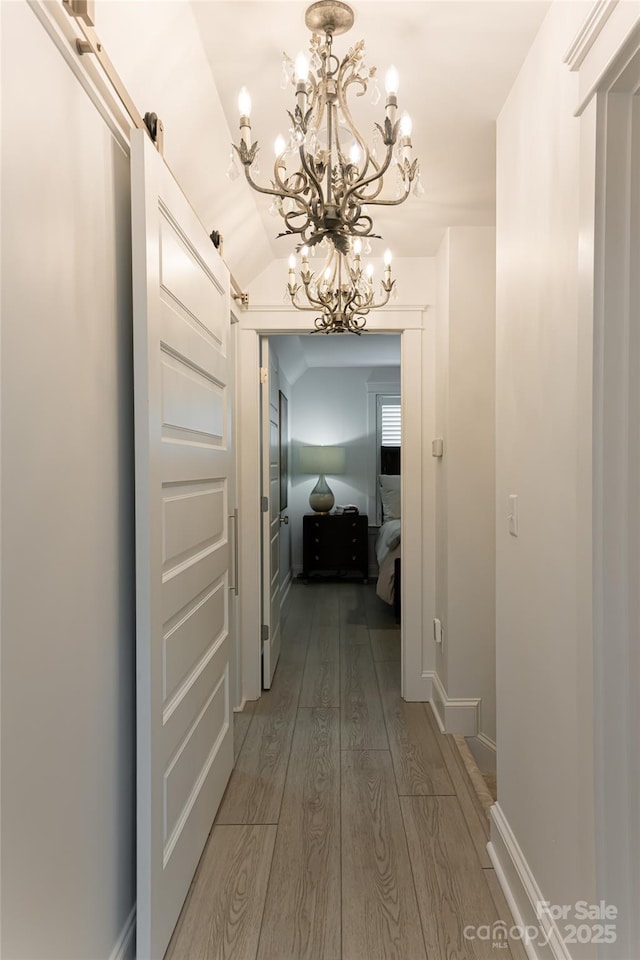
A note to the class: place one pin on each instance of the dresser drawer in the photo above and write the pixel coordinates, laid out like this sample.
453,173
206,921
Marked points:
335,544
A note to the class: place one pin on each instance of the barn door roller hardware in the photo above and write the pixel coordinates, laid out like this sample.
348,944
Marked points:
156,130
83,12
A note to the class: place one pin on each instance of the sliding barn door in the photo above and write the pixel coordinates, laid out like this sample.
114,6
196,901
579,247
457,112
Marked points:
183,465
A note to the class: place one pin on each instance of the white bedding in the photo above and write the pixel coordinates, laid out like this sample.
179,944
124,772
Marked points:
388,539
387,549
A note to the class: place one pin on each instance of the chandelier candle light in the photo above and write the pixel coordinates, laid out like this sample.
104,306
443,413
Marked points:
326,178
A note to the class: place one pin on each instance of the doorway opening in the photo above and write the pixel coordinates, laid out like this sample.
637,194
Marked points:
322,412
417,490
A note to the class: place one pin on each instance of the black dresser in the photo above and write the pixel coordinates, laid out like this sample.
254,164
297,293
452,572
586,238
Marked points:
335,545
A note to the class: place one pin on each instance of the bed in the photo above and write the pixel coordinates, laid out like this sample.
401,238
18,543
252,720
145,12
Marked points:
388,545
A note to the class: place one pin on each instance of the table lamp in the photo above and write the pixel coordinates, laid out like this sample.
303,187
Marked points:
322,460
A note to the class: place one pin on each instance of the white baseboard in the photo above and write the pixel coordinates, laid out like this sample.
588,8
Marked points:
484,752
454,714
240,706
418,688
125,948
522,891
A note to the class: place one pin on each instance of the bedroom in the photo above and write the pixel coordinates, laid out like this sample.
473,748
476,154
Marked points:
336,392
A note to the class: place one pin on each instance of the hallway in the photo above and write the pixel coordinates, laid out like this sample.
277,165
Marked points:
349,828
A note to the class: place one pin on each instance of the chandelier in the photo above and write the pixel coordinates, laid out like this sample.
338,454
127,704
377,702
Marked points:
341,289
326,178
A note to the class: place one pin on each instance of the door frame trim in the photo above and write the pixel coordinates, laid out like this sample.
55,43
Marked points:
609,455
416,329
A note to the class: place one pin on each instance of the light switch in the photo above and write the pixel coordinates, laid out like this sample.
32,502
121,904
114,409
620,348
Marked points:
437,630
513,515
437,446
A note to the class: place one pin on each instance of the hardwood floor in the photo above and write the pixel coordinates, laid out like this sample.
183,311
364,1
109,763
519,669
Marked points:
349,829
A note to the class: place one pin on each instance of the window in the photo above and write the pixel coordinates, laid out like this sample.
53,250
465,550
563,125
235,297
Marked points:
383,393
388,440
390,421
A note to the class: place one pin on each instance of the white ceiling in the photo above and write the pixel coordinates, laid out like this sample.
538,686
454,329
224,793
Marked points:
296,354
457,61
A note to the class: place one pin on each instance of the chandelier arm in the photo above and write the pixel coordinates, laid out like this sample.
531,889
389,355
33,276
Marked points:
363,183
368,159
290,218
314,180
322,324
315,303
379,172
365,302
324,301
292,190
269,191
342,101
299,307
378,183
292,228
385,300
392,203
330,121
344,107
364,231
348,304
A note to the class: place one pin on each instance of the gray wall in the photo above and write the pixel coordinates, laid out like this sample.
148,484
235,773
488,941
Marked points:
68,750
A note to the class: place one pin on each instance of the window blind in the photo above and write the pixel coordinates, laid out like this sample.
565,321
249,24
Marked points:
390,424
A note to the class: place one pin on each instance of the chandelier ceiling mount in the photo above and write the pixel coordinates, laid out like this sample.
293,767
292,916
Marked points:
329,16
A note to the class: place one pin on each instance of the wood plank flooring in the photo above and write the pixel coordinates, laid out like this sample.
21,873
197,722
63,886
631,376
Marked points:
349,829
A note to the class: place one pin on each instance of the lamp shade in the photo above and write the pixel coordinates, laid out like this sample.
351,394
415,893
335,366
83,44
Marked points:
317,460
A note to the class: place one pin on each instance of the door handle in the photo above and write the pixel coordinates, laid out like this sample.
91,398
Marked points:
234,517
284,520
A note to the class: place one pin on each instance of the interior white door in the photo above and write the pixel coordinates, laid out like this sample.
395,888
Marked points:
183,463
270,515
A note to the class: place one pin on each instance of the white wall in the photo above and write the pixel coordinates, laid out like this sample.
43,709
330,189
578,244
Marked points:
68,647
158,52
545,717
330,407
465,476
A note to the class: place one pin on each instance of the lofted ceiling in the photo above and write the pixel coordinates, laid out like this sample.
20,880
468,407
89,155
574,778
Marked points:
457,61
297,354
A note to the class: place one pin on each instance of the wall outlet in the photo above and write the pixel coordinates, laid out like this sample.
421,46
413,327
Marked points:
437,630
